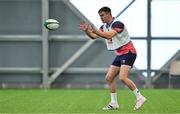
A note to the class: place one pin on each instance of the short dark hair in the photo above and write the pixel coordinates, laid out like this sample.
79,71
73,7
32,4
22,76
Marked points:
105,9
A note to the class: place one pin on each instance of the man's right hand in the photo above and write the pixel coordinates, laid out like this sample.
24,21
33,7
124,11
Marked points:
83,26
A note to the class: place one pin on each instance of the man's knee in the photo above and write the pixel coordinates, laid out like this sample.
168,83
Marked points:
122,78
109,78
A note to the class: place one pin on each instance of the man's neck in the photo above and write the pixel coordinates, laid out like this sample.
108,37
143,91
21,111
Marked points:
110,20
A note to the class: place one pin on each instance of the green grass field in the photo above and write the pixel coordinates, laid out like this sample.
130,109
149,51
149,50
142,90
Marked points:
86,101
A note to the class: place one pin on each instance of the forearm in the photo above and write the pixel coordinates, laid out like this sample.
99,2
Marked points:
105,35
91,34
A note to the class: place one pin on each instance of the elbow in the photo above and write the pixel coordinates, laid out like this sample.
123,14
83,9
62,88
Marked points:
109,37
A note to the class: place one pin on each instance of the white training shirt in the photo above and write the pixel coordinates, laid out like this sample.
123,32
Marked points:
117,41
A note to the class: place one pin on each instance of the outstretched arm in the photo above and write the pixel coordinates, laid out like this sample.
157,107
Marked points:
94,33
106,35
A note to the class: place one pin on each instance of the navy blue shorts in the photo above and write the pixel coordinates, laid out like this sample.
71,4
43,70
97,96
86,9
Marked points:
125,59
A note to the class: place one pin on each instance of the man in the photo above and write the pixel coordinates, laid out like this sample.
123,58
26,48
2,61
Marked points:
117,38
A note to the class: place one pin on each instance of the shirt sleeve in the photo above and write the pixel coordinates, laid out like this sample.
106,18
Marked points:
118,26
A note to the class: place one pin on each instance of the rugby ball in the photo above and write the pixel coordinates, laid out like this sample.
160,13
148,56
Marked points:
51,24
